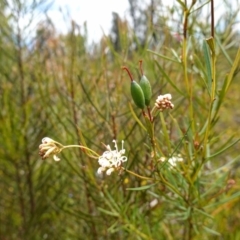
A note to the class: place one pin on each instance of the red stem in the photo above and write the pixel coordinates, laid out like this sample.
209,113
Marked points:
212,18
149,114
140,65
125,68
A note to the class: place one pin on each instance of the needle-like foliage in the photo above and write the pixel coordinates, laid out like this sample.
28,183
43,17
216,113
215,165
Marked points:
177,174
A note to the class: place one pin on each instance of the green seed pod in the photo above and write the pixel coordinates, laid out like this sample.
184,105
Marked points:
137,95
147,90
146,87
136,91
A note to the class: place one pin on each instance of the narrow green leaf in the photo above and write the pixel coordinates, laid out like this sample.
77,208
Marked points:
149,126
227,82
207,59
218,182
211,44
136,118
211,231
201,70
112,203
182,4
168,79
223,149
142,188
136,231
115,227
176,55
224,200
108,212
88,96
164,57
203,213
223,50
199,7
225,166
233,70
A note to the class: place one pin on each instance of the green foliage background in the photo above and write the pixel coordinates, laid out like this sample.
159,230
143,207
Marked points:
58,86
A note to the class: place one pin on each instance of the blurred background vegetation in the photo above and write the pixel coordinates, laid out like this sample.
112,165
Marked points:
60,86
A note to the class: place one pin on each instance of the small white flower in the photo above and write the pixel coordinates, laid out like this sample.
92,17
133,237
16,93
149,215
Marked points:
164,102
168,96
111,160
173,160
109,171
47,140
56,158
100,170
49,147
153,203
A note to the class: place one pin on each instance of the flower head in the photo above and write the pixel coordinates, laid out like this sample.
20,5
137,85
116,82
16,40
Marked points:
49,147
164,102
111,160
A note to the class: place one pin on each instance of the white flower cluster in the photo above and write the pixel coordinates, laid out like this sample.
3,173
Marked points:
173,160
49,148
164,102
111,160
